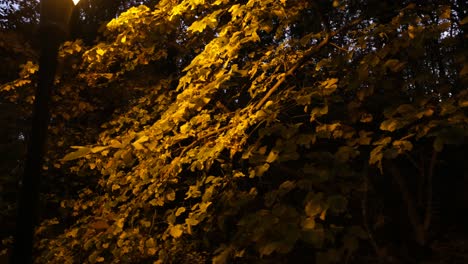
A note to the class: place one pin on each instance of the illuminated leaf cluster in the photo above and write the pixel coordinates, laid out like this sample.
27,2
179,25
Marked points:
256,144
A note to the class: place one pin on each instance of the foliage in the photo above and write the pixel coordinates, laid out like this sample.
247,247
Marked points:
91,15
14,54
258,143
20,15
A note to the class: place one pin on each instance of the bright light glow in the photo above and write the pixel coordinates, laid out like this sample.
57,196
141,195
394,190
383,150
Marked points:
76,1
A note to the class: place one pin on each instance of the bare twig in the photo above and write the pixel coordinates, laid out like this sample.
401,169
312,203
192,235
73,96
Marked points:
338,47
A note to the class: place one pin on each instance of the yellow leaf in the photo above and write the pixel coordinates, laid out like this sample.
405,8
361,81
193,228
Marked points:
177,10
99,149
269,248
238,174
376,157
259,170
464,70
115,144
329,86
313,208
308,223
142,139
366,118
150,243
390,125
180,211
323,215
197,26
72,233
137,144
210,20
145,223
100,225
318,111
223,256
405,108
411,30
463,103
219,2
204,206
100,51
236,11
79,153
120,222
383,141
184,128
446,12
123,39
464,21
272,156
192,221
403,145
395,65
330,83
176,231
171,195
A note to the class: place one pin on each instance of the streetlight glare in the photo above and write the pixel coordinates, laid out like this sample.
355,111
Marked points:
76,1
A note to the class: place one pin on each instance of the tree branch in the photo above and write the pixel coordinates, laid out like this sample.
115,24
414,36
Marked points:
307,54
428,213
410,206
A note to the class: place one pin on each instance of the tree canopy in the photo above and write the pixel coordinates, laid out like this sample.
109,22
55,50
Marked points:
255,131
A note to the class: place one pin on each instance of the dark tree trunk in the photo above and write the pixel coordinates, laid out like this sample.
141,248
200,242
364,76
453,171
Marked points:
29,188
